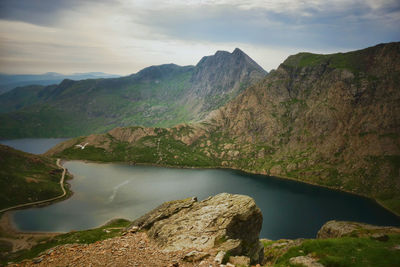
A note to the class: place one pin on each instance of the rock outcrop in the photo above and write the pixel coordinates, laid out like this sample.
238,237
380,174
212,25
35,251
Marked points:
335,229
225,222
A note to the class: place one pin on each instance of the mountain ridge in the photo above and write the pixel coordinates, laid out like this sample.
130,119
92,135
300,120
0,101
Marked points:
11,81
162,95
330,120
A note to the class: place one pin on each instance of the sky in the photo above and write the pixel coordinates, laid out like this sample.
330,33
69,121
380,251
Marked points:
123,37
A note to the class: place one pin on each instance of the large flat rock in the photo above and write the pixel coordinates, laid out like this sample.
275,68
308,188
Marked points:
227,222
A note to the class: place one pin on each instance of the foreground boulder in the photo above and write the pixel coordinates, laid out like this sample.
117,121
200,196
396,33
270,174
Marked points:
335,229
225,222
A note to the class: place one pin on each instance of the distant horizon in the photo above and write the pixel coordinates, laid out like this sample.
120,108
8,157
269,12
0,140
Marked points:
56,72
126,74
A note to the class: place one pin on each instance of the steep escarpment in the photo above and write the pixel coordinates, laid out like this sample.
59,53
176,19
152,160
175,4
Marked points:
326,119
163,95
331,120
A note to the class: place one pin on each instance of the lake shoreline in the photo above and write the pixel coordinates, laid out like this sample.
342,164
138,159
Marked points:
244,171
63,161
20,240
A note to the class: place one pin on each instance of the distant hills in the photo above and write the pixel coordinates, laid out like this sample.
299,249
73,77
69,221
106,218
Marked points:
10,81
331,120
162,95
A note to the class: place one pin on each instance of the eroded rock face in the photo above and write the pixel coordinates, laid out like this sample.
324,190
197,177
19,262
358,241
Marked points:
225,222
334,229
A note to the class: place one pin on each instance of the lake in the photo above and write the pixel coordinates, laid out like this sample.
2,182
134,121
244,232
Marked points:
106,191
33,145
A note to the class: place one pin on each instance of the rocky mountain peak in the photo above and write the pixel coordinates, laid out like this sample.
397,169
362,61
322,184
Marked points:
225,72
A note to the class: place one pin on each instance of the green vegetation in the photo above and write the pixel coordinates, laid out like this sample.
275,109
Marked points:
347,251
161,148
111,229
160,96
27,178
75,108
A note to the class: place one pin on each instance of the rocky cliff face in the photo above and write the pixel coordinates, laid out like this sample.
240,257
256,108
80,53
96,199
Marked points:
327,119
331,120
162,95
219,77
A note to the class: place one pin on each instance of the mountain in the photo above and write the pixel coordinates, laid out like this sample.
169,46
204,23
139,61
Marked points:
331,120
10,81
162,95
25,177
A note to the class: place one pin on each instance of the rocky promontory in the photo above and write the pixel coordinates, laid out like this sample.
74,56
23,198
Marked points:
225,222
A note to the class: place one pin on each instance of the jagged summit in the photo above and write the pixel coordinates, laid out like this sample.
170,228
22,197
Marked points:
163,95
214,74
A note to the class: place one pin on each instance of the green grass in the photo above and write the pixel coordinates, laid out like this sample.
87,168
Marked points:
348,251
169,152
27,178
112,229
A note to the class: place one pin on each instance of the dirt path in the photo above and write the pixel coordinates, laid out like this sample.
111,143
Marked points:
46,200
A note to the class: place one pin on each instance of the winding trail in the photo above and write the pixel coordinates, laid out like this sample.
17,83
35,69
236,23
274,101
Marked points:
46,200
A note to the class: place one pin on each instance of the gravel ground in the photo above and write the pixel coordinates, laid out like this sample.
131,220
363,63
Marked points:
133,249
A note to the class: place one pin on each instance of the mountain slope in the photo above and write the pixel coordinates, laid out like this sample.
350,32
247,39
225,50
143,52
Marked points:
10,81
162,95
332,120
26,177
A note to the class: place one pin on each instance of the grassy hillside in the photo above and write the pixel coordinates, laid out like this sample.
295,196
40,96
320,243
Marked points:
26,177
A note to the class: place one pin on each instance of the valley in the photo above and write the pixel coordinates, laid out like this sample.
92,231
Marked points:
330,120
200,133
326,120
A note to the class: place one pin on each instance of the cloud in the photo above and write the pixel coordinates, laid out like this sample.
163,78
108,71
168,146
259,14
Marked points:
124,36
302,24
44,12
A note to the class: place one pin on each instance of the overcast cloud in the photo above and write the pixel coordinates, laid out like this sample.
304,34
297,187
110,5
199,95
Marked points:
123,36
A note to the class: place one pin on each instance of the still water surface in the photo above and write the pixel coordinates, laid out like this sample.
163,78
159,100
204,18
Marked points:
33,145
105,191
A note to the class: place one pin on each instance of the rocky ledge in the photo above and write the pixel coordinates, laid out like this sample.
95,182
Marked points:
226,224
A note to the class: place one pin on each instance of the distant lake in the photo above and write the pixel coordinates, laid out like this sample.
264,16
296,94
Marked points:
105,191
33,145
